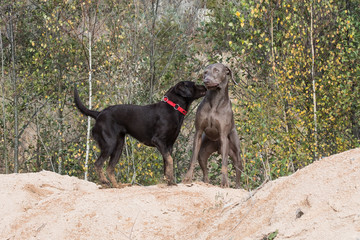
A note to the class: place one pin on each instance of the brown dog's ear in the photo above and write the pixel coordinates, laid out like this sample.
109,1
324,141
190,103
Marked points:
182,90
229,72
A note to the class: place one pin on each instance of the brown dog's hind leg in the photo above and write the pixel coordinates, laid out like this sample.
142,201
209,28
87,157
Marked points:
114,159
99,163
105,151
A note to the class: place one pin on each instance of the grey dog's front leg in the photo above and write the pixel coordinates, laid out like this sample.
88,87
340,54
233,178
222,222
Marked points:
235,155
224,154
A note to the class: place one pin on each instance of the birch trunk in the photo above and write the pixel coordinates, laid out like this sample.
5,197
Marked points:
155,5
13,76
5,157
89,118
60,137
313,79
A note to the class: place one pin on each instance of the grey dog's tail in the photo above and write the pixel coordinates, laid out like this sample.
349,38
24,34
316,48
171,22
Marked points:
82,108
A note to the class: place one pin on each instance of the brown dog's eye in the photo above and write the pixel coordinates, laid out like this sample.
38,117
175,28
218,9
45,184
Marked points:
216,70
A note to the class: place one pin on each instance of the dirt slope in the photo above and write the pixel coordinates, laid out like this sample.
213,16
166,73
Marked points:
321,201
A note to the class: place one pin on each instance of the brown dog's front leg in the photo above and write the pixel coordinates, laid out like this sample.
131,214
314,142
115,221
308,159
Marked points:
169,166
168,161
197,143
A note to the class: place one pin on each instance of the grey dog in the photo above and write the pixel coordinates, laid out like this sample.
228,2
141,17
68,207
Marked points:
215,126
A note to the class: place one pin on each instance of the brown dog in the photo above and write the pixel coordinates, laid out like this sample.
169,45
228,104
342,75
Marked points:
156,125
215,126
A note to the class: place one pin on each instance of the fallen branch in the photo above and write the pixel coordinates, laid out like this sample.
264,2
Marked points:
251,194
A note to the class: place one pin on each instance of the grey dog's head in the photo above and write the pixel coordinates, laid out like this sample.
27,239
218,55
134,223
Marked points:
216,76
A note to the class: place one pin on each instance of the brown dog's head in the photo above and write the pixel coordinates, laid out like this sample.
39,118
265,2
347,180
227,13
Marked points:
188,89
217,76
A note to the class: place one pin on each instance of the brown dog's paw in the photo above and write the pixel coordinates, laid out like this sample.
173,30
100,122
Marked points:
170,181
104,181
124,185
171,184
104,186
121,185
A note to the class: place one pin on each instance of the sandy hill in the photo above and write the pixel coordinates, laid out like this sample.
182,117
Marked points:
321,201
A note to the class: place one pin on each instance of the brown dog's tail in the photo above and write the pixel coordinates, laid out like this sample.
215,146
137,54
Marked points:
81,106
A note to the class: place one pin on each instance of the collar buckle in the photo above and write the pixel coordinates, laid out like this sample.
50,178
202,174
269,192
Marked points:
165,99
176,106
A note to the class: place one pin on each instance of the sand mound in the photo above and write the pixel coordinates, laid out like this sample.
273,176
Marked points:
321,201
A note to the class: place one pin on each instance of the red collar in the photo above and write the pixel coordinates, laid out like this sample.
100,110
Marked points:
176,106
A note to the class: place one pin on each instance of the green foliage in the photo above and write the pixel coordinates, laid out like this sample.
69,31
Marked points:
52,55
271,236
270,45
138,53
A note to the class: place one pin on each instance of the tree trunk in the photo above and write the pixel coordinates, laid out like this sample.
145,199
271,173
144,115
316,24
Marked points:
154,8
313,80
89,118
353,110
38,142
60,115
135,65
5,156
13,76
61,127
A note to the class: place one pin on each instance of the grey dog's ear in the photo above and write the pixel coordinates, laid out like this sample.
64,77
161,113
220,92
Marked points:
229,72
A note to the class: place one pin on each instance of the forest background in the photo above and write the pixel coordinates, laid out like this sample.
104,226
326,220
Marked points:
297,65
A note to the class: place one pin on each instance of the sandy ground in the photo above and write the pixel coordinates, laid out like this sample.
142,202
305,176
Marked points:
321,201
